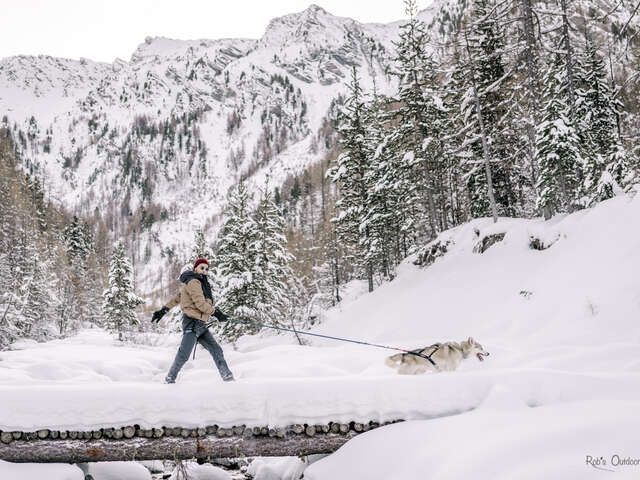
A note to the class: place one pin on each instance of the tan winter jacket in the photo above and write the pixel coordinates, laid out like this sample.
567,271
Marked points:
192,301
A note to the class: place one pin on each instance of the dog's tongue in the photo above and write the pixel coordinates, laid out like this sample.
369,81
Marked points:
480,357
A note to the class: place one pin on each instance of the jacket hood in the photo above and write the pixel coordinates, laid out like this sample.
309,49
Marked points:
189,275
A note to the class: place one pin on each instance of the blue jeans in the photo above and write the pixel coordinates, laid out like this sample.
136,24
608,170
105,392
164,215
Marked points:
195,331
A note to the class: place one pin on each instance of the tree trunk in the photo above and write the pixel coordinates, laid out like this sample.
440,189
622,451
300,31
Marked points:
568,58
485,146
430,203
174,448
369,267
532,85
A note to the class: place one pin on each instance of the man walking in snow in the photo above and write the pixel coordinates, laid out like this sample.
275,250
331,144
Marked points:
196,302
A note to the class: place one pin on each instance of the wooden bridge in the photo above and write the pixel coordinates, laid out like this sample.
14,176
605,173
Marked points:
176,443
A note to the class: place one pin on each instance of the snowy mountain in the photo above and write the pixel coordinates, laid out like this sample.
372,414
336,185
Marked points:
164,135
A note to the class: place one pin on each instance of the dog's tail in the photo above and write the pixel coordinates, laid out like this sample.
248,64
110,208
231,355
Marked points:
394,360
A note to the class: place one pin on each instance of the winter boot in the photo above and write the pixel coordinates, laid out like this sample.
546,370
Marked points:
228,377
169,379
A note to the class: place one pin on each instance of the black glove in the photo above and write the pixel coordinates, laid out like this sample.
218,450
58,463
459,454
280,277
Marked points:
158,314
219,315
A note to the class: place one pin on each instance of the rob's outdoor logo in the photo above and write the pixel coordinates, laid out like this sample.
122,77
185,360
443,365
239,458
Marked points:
614,463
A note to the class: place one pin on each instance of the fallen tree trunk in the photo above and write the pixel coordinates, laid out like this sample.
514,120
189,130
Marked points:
173,448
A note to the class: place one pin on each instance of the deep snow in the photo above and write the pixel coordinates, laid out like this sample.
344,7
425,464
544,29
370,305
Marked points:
502,439
561,383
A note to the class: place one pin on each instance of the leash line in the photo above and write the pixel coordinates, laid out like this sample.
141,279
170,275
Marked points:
340,339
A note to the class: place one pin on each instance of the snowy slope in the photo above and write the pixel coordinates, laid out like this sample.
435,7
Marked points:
573,337
575,323
502,439
581,291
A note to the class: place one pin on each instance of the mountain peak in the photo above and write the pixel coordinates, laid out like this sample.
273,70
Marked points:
316,9
313,22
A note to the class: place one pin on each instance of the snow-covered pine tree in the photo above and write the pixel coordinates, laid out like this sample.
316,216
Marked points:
606,164
200,248
393,196
621,170
487,67
380,215
558,145
7,299
120,300
234,264
91,287
9,288
418,116
36,309
78,245
349,172
565,43
65,305
529,105
458,121
273,277
78,240
327,275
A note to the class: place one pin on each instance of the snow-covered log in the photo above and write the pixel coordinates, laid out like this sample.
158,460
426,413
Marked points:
174,448
133,443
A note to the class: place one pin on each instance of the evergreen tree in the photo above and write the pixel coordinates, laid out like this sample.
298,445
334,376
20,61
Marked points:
78,240
90,283
487,73
273,277
529,101
200,249
8,297
235,262
392,194
120,300
620,169
419,114
66,307
456,150
349,172
36,308
606,166
378,217
78,245
558,149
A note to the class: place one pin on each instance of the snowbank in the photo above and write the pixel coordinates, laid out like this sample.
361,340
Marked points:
503,439
193,471
276,468
39,471
116,471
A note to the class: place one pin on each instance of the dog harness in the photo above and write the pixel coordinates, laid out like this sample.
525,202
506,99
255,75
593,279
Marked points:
428,357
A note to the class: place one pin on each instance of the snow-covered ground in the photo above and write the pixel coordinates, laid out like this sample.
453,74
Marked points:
562,383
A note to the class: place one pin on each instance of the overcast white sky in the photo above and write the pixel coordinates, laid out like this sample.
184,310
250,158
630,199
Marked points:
106,29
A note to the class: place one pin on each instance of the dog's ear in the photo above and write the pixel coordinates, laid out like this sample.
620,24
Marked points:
471,340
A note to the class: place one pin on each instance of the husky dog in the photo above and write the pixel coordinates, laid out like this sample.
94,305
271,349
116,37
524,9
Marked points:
446,356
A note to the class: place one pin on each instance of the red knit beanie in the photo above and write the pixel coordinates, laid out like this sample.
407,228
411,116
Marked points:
199,261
